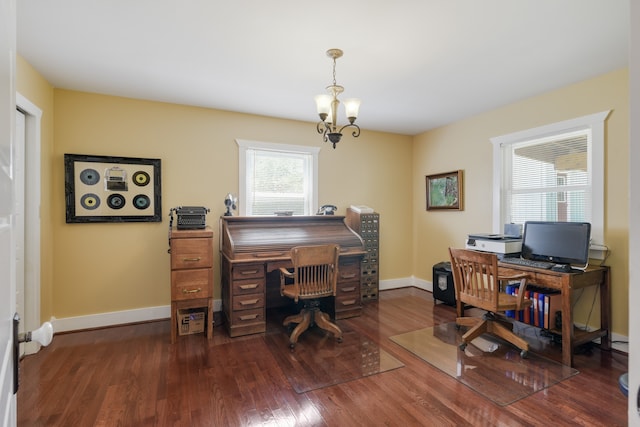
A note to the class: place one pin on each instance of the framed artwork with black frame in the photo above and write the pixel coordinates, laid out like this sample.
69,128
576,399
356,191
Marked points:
111,189
444,191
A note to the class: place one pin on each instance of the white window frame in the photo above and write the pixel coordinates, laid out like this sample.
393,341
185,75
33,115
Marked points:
593,122
245,145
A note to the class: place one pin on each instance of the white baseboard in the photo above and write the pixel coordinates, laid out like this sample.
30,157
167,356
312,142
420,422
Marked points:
620,342
117,318
384,285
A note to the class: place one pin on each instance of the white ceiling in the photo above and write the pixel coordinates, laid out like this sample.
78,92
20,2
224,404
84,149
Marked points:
416,64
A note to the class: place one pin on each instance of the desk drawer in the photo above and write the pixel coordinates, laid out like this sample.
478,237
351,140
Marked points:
346,289
248,271
349,271
190,284
244,317
249,301
248,286
191,253
348,301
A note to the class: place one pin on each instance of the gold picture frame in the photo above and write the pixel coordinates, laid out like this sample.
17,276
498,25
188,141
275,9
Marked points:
444,191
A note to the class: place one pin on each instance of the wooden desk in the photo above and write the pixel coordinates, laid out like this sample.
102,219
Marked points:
566,283
253,247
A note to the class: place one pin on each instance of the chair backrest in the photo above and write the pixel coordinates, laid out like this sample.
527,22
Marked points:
315,270
475,278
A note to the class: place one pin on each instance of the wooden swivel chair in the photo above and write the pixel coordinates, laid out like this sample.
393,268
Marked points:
314,276
477,283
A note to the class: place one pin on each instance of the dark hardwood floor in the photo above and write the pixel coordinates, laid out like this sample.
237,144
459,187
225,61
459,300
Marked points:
132,376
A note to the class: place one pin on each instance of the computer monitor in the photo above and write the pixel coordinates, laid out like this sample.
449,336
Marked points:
559,242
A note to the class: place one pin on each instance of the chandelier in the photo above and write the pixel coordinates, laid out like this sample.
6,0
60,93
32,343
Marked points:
328,108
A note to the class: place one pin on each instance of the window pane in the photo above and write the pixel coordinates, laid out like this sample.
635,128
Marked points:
278,181
548,179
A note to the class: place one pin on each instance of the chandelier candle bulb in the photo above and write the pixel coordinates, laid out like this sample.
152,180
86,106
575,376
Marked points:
352,105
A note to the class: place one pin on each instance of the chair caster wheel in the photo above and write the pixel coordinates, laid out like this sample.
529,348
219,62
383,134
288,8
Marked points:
462,346
524,354
339,339
292,346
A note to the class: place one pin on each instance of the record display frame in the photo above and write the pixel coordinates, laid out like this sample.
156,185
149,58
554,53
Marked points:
112,189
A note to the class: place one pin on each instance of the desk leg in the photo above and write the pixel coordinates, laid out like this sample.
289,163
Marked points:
605,309
567,327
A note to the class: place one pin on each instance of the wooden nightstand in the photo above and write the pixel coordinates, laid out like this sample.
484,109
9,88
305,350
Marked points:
192,275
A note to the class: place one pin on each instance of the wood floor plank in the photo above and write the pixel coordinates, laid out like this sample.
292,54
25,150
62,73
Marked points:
132,376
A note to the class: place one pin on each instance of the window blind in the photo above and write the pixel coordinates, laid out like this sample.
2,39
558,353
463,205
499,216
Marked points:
277,181
548,179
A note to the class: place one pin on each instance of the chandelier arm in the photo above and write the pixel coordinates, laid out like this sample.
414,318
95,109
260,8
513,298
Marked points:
323,129
355,133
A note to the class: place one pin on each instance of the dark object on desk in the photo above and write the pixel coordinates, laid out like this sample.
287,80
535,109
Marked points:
564,268
190,217
557,242
473,270
443,288
230,202
327,210
528,262
314,276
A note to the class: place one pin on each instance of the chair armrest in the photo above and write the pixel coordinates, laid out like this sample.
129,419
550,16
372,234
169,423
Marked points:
521,290
286,273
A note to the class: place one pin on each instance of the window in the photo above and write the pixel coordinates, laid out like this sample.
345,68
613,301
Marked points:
551,173
277,177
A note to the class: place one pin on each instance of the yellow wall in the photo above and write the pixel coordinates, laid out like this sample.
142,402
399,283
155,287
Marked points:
466,145
110,267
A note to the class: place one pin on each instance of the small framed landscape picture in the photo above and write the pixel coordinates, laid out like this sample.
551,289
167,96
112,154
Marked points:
444,191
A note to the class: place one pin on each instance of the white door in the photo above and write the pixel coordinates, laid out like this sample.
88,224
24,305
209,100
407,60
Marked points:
7,206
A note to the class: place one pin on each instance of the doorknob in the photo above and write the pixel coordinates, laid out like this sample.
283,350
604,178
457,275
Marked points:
42,335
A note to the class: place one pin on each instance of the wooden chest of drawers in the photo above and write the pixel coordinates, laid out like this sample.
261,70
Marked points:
348,289
243,299
192,275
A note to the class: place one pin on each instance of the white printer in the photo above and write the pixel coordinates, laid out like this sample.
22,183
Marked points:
500,244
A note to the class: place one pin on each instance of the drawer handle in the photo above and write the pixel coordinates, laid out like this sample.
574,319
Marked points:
349,289
249,286
191,291
249,271
249,301
268,254
249,317
349,302
348,276
191,259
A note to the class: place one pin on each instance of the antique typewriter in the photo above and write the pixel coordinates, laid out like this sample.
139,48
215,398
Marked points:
190,217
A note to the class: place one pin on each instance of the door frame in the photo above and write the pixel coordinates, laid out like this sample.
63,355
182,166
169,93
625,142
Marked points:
33,119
